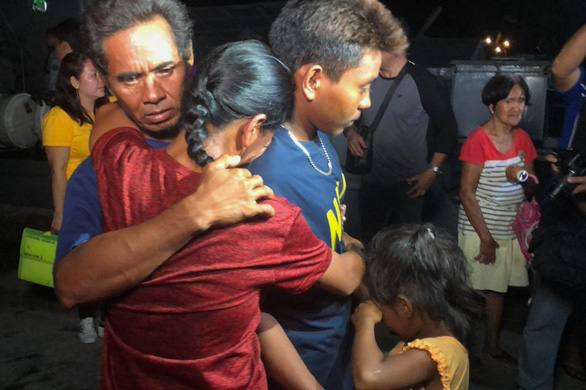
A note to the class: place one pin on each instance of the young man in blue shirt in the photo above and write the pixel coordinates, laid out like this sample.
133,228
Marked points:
334,51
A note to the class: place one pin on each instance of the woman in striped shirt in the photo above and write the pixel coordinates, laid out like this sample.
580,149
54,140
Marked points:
490,194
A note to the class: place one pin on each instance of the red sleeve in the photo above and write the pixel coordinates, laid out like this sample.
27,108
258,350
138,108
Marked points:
473,150
526,145
120,159
110,148
304,258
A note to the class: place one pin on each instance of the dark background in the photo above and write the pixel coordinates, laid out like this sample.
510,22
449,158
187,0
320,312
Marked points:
535,27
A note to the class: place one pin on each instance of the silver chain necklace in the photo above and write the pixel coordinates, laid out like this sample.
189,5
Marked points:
296,141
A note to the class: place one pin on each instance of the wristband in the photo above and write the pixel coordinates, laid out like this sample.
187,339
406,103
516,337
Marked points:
435,169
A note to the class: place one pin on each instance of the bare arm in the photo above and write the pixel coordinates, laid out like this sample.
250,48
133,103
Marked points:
436,103
58,157
282,362
565,67
468,185
114,262
369,367
344,274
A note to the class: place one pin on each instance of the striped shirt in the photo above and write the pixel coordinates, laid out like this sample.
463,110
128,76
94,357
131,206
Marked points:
498,199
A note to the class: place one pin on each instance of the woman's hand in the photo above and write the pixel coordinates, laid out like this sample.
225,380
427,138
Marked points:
367,312
487,253
56,223
511,174
351,243
343,209
58,157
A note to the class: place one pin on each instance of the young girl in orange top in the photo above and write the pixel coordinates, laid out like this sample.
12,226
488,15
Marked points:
418,284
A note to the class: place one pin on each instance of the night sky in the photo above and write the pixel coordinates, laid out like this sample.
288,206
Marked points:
533,26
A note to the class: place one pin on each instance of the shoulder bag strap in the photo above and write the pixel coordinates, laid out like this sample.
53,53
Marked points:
387,99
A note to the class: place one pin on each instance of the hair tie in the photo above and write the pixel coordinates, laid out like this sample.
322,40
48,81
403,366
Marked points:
430,233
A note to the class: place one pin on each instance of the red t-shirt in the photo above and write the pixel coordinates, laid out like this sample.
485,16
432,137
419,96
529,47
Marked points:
191,324
479,149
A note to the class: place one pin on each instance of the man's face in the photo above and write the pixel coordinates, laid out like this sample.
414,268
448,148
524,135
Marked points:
338,105
146,73
391,64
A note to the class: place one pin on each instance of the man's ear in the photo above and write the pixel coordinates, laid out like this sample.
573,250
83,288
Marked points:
251,130
190,60
404,306
309,78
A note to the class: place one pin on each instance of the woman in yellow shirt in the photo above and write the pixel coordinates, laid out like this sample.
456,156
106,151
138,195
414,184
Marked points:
66,132
66,127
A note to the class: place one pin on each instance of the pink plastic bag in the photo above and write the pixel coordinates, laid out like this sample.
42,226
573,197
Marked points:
525,222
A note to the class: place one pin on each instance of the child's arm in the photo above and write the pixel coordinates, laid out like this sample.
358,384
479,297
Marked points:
282,362
369,367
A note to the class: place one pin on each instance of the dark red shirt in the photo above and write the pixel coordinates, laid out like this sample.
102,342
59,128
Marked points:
191,324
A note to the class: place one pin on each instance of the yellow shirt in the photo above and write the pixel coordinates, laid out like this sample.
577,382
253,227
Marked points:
59,129
450,356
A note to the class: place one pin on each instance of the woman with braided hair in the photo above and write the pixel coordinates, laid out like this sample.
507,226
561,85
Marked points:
192,323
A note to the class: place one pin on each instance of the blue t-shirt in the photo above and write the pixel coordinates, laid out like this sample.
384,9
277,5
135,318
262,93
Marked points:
316,322
573,99
82,212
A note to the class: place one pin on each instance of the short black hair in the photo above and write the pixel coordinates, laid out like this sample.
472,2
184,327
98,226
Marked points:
334,34
500,86
427,267
67,31
105,18
235,81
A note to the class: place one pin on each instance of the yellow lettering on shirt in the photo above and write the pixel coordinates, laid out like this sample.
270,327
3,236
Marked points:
334,215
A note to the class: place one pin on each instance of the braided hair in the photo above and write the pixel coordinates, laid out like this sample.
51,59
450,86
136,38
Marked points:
428,268
236,81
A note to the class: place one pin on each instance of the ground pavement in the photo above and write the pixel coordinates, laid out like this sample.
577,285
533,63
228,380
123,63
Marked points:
39,348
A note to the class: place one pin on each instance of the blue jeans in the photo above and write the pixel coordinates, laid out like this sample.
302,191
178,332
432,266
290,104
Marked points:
541,337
